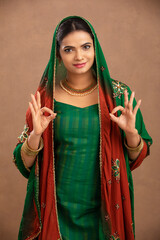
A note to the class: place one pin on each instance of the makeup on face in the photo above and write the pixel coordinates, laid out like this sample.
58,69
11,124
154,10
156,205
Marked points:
79,65
77,52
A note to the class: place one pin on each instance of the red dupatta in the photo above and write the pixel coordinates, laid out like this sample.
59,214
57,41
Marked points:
116,195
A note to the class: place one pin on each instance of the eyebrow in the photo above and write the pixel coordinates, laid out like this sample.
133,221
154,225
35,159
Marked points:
81,45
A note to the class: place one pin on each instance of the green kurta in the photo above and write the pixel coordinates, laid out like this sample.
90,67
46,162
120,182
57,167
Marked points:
77,171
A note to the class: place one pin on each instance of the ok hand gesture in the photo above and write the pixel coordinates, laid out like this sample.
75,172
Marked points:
40,121
126,121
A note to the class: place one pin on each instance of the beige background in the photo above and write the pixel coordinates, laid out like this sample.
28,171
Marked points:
129,34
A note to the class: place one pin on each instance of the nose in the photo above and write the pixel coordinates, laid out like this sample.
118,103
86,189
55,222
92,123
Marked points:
78,55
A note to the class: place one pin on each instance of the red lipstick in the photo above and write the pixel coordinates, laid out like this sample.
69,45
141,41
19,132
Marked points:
79,65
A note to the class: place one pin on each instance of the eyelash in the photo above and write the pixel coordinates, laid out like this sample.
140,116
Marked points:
68,50
86,47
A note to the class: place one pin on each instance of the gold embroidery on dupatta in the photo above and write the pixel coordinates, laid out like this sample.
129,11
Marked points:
99,107
117,206
54,78
24,135
21,139
14,161
102,68
116,169
118,88
115,236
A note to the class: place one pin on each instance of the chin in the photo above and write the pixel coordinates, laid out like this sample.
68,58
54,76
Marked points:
80,72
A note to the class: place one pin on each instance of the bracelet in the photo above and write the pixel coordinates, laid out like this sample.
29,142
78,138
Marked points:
135,149
29,151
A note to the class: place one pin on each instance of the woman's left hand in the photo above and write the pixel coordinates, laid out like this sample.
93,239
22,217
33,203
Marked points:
126,121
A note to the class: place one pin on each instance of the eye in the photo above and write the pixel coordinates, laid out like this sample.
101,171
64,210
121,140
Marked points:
68,50
86,47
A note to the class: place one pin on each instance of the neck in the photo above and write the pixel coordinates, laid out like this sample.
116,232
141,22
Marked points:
80,81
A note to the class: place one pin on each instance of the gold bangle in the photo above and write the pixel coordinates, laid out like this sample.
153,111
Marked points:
29,151
135,149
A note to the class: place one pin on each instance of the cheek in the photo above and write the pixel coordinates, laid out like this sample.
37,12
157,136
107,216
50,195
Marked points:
65,58
67,61
91,57
91,54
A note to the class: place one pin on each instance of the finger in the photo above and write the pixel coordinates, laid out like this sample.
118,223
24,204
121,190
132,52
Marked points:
51,117
116,109
32,109
45,109
113,118
125,98
137,106
34,103
130,103
38,99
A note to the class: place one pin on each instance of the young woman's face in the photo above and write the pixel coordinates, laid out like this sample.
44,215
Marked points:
77,52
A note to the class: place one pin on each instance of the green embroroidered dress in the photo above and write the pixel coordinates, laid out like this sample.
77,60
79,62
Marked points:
77,171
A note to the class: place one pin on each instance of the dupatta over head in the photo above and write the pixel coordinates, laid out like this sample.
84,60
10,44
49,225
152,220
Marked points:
40,216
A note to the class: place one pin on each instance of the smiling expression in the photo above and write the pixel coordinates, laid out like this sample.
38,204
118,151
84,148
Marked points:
77,52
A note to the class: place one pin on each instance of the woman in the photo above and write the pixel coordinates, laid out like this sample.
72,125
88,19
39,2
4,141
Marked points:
84,134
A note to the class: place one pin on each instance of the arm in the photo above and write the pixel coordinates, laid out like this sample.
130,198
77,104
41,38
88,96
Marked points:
133,140
33,143
127,122
40,122
139,124
36,122
131,122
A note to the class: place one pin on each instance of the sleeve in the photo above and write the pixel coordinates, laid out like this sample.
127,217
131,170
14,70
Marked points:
147,140
17,159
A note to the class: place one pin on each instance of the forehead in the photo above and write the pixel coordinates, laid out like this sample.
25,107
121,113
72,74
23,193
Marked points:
76,38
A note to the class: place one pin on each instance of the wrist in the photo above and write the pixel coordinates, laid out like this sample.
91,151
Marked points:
30,151
35,135
132,138
131,133
34,140
138,148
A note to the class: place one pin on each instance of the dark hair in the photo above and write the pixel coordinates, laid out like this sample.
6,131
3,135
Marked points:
71,25
66,27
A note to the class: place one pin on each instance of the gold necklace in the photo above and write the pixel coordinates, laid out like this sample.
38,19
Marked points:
77,92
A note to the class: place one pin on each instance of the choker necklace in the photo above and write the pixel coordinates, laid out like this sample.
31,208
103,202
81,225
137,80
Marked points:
77,92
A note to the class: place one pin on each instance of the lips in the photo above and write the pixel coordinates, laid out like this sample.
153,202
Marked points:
79,65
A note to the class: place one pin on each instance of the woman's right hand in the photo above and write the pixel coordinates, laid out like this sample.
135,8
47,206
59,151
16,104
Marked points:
40,121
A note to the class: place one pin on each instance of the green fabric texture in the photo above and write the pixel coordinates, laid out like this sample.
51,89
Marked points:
77,171
140,126
53,72
18,161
